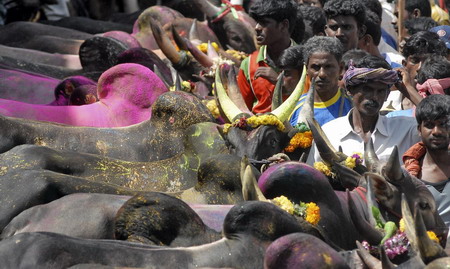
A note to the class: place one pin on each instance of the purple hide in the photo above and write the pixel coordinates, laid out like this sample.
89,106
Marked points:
126,93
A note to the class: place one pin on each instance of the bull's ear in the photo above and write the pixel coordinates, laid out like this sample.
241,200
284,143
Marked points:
383,190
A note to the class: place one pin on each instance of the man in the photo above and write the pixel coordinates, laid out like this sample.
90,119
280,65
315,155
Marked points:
429,160
258,73
369,86
413,9
345,21
322,56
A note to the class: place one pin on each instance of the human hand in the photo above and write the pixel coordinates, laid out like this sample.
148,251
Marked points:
267,73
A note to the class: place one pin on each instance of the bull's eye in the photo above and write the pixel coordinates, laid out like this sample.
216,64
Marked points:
273,142
424,205
236,38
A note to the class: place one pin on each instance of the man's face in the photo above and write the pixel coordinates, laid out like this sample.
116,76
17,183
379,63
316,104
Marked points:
325,69
369,97
345,29
267,31
412,65
435,134
406,16
291,78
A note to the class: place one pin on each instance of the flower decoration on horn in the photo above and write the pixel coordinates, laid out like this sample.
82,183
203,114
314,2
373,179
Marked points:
350,162
302,139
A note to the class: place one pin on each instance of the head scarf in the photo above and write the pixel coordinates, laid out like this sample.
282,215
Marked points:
355,76
433,86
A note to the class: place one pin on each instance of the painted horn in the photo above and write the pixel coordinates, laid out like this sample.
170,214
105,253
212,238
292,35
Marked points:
393,170
369,232
211,52
207,8
164,42
202,58
232,112
371,159
385,261
307,111
277,98
235,93
284,111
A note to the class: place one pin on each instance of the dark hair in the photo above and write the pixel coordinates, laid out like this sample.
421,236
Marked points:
353,55
371,61
435,66
298,33
375,7
353,8
373,27
424,42
278,10
291,58
422,5
323,44
433,107
314,18
415,25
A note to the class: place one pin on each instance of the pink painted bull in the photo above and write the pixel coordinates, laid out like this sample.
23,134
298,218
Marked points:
126,93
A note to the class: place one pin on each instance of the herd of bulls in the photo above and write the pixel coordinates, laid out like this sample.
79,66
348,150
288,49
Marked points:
102,166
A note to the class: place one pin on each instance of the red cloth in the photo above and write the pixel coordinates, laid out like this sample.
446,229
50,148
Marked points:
412,157
262,88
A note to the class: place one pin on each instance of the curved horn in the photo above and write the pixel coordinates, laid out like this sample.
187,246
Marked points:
232,112
284,111
277,98
178,86
250,189
371,158
158,73
211,52
410,229
372,235
178,39
164,42
202,58
235,93
327,152
371,201
370,261
308,106
207,8
348,178
392,169
193,32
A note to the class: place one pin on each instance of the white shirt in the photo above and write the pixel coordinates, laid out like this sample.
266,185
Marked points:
389,132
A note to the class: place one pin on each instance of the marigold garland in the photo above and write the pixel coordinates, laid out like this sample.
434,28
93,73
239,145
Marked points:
212,107
237,54
350,162
203,47
309,211
322,167
268,119
300,140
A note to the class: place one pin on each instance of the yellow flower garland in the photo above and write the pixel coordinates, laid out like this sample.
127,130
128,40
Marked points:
237,54
322,167
309,211
255,121
431,234
300,140
203,47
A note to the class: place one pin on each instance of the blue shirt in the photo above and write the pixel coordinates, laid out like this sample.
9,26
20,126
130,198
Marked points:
325,111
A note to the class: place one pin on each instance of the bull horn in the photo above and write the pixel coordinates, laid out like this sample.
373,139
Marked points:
159,74
178,39
211,52
371,201
370,261
164,42
327,152
250,188
347,177
232,112
393,170
371,158
178,86
369,232
410,230
429,249
235,93
284,111
202,58
207,8
193,32
277,98
307,111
